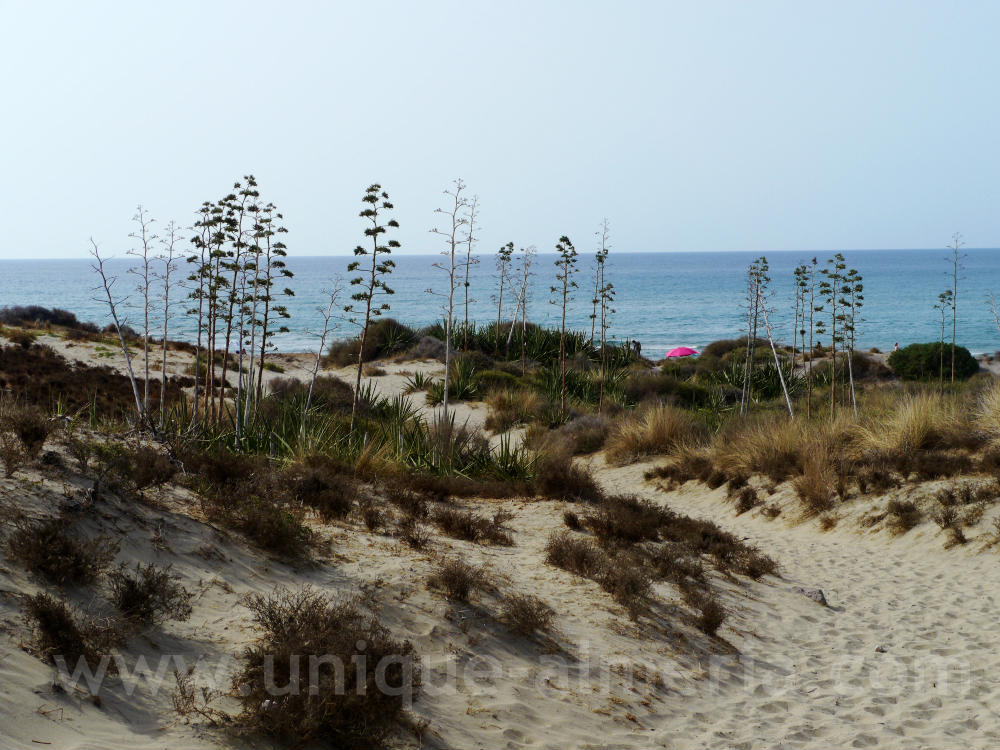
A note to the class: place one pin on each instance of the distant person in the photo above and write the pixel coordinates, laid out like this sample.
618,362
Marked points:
895,347
637,348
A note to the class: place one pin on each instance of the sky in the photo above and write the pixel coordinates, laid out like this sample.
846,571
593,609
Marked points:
690,126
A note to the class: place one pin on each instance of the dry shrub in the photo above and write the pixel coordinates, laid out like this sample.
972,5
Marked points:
574,554
903,515
407,500
558,477
12,453
711,613
29,423
586,434
947,518
458,580
624,520
828,521
572,520
373,371
59,633
41,376
510,407
526,614
269,522
746,500
412,533
935,464
44,547
675,563
470,527
133,468
875,478
687,462
660,429
371,515
150,595
337,696
628,582
324,488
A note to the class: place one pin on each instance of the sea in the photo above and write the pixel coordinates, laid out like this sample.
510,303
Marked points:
662,300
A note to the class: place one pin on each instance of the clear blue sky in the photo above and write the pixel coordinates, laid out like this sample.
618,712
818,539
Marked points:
691,126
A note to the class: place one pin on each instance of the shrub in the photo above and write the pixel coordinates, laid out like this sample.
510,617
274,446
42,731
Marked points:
30,425
57,632
746,499
273,526
525,614
373,371
903,515
574,554
584,434
711,613
659,430
627,582
337,699
947,519
675,563
412,533
559,478
625,520
330,394
508,408
12,453
457,579
323,488
923,362
371,515
385,338
149,596
466,525
45,548
571,520
428,347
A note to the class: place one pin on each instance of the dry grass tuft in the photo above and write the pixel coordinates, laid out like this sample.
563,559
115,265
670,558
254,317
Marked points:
658,430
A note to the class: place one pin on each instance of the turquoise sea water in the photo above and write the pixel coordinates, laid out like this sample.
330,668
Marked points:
664,299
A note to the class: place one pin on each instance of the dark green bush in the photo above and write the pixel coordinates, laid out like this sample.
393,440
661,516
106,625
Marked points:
385,338
923,362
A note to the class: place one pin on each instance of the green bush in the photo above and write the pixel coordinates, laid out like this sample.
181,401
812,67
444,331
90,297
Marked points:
923,362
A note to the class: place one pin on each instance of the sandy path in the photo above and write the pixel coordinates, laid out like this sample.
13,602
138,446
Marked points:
811,676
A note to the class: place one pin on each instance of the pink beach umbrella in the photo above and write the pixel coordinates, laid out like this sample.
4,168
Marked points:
681,351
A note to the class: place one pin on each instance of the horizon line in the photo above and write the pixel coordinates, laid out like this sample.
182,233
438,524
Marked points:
620,252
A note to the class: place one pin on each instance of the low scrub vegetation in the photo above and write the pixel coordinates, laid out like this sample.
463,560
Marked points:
47,547
149,595
312,645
